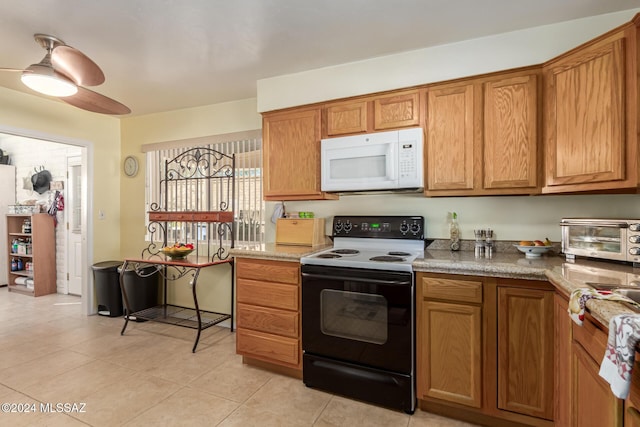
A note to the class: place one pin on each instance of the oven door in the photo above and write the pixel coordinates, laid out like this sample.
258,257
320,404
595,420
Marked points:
595,238
361,316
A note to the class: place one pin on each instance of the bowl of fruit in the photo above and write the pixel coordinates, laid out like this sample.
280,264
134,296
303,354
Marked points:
534,248
178,250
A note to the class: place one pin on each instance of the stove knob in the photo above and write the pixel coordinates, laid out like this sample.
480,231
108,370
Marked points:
338,226
347,227
634,251
404,227
634,239
415,228
634,227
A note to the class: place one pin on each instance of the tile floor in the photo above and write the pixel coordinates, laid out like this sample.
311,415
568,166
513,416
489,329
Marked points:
50,353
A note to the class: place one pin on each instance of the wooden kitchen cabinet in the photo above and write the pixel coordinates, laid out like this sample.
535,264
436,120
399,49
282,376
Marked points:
591,122
632,404
562,382
526,351
452,120
291,155
449,339
268,313
512,144
592,402
397,110
482,135
346,117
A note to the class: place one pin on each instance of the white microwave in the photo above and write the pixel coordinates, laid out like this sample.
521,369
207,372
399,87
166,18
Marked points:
376,161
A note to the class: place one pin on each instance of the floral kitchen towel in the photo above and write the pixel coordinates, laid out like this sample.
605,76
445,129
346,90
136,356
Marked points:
579,298
617,364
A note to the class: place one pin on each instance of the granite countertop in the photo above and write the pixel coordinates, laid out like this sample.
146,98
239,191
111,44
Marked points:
563,275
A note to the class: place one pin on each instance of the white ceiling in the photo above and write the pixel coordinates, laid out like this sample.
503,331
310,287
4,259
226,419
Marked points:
161,55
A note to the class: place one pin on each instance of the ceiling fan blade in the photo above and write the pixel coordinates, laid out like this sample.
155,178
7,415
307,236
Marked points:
91,101
11,69
77,66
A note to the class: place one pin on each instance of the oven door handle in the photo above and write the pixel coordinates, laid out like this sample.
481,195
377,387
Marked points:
356,279
613,224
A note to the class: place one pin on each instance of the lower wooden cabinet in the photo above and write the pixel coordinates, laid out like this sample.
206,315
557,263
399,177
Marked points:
485,349
562,384
268,312
525,351
449,340
592,402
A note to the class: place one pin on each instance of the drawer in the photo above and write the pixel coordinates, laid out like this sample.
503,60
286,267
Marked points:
267,294
305,232
591,338
271,348
268,320
265,270
452,289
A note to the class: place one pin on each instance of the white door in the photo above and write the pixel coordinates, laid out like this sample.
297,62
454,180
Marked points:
74,225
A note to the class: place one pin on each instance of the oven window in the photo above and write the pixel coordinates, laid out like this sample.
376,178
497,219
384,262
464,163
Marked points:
353,315
593,238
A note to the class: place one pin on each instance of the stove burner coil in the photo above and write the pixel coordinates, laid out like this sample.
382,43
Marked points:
328,255
386,258
398,253
345,251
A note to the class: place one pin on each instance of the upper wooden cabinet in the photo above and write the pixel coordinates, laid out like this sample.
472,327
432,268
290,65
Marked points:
291,155
346,117
482,135
511,137
591,122
395,111
452,120
373,113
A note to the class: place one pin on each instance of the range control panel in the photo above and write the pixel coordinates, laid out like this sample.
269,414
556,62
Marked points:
385,227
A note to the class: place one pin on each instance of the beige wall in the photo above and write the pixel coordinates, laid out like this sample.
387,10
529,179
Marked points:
467,58
37,116
214,292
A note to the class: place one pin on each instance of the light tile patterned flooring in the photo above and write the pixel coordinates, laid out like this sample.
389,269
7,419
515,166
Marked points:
51,353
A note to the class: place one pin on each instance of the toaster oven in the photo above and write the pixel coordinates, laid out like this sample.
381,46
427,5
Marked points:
613,239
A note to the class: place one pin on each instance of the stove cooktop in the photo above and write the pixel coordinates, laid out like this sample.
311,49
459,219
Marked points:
373,242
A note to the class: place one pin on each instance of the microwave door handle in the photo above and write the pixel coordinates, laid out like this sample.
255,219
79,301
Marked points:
611,224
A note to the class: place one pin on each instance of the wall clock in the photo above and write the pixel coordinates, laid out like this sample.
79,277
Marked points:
130,166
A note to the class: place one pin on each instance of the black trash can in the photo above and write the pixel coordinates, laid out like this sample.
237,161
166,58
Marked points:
142,287
107,286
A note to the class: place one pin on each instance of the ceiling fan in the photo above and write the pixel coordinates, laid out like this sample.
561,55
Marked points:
63,73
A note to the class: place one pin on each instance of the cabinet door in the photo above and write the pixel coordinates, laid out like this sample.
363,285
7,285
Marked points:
291,155
450,138
562,386
592,402
631,417
346,117
450,361
511,133
396,111
585,125
525,351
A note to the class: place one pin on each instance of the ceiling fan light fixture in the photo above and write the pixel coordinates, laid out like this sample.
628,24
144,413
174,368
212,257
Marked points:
46,81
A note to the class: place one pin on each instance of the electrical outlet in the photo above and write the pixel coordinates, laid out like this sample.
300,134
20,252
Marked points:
101,214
